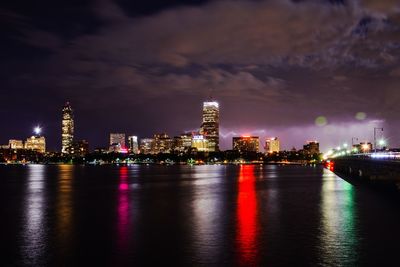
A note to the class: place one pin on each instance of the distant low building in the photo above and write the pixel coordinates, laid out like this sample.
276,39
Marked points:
36,143
79,148
183,143
15,144
117,142
200,143
246,143
146,145
272,145
162,143
311,148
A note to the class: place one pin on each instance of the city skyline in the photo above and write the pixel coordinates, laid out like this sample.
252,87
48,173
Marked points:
136,68
69,142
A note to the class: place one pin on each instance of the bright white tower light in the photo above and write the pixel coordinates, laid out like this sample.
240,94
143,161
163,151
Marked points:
37,130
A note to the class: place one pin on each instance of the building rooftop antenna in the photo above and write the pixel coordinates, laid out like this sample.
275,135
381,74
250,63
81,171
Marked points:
210,95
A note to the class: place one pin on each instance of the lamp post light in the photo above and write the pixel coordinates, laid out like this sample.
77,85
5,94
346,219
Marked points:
375,136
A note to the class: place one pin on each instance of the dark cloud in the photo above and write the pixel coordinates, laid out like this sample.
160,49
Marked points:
272,64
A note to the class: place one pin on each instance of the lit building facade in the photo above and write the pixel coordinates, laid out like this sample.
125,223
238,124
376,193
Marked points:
79,148
36,143
183,143
67,130
200,143
272,145
133,144
15,144
246,143
117,142
311,148
210,125
145,145
162,143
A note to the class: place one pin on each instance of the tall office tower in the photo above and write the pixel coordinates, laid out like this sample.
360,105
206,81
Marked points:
246,143
272,145
67,131
210,125
117,142
133,145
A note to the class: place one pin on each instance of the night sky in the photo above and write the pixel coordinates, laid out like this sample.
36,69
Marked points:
275,66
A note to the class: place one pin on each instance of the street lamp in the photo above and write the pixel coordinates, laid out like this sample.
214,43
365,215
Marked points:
375,136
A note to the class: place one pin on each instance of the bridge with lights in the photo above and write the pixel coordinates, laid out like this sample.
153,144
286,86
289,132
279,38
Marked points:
381,167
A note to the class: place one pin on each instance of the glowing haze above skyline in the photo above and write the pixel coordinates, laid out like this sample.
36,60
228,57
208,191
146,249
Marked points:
321,70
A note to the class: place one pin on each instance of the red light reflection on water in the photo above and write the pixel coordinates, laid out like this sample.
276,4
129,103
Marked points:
247,216
330,165
123,209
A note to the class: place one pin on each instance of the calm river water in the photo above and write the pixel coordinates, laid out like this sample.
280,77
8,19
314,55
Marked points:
247,215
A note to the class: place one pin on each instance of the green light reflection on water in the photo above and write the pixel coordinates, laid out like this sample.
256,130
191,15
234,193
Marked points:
338,235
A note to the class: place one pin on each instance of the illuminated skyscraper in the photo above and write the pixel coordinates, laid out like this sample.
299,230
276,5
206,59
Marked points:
67,135
210,125
133,144
272,145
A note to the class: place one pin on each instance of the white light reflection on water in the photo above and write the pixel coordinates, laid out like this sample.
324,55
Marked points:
207,205
34,234
339,238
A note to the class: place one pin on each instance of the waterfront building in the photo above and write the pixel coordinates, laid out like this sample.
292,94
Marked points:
133,145
79,148
311,148
146,145
36,143
246,143
210,125
15,144
272,145
183,143
162,143
67,130
117,142
200,143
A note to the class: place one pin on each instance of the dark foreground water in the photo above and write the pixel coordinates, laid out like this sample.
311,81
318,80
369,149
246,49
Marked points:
191,216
